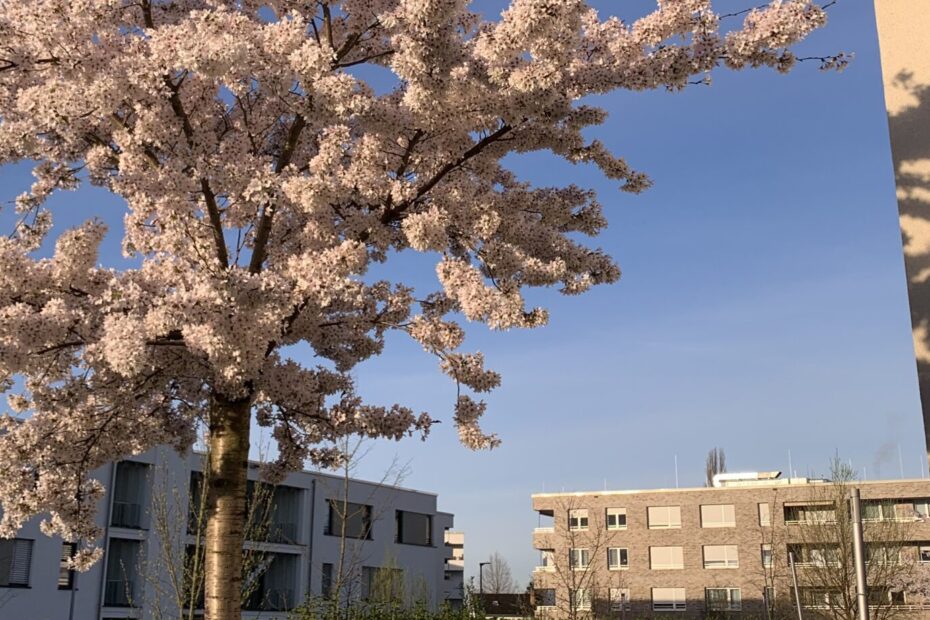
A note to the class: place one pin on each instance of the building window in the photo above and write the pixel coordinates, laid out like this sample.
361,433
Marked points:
382,585
578,519
922,508
616,518
581,598
354,519
723,599
721,556
547,559
276,587
768,596
285,515
765,515
813,514
666,558
924,553
668,599
129,494
767,557
617,558
545,597
720,515
65,573
326,581
15,562
878,510
818,597
413,528
122,582
620,599
664,517
579,558
882,554
815,555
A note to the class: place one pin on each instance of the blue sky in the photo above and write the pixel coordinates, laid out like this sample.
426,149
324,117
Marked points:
762,308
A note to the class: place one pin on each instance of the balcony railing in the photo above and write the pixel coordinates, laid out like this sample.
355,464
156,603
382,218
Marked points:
544,569
544,530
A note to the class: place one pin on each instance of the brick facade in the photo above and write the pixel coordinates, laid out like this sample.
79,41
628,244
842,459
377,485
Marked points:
747,535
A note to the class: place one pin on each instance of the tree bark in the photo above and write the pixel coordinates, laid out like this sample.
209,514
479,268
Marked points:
226,506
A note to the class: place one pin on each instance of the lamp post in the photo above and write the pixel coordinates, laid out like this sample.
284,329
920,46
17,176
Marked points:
481,566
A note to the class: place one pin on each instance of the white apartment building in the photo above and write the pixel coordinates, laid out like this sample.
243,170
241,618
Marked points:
145,517
454,592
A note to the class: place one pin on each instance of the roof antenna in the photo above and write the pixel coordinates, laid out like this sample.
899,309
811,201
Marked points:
676,471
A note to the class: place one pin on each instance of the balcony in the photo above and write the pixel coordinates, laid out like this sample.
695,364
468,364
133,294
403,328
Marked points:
547,568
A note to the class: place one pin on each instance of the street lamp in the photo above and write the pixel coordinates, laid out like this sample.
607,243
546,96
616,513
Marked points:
481,566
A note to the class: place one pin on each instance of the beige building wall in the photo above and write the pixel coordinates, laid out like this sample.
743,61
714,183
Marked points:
904,39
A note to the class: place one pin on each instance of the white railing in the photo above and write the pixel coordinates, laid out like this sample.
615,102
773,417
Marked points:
544,530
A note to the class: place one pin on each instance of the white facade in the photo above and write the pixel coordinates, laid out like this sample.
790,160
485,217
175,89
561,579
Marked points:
455,570
147,496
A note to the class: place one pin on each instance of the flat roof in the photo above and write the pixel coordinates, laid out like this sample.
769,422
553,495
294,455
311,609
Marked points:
760,485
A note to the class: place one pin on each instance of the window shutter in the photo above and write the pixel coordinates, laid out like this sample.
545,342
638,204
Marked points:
22,560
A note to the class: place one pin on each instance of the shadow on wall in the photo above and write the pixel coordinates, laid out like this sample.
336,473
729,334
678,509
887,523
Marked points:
909,126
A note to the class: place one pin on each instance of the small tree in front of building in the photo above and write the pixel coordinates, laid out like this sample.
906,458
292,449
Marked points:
821,537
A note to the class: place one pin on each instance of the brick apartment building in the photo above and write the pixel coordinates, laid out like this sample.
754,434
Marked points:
720,551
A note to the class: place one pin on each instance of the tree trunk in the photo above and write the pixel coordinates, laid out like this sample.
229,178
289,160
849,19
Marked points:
226,509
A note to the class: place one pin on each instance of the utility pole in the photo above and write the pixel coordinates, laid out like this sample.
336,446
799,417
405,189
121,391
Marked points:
862,601
794,578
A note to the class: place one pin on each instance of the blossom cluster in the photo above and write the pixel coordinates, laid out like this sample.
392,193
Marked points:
262,177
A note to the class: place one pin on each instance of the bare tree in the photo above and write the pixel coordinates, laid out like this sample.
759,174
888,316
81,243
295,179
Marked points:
575,566
498,578
350,518
821,538
716,463
174,568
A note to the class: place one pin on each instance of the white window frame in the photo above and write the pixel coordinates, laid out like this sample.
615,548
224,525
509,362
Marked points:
654,565
581,599
667,522
730,605
671,602
622,553
718,515
578,519
768,555
730,557
616,512
583,559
